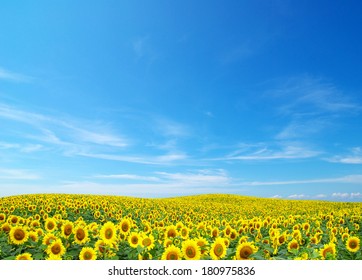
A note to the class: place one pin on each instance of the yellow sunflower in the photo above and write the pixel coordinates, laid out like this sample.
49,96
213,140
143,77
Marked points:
108,233
171,253
50,224
328,250
67,229
190,250
171,231
244,250
18,235
24,256
353,244
134,239
125,226
202,243
49,238
293,244
218,249
87,253
80,235
56,248
148,241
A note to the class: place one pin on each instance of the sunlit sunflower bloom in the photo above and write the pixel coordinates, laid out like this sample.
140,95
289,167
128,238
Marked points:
190,250
184,232
134,239
56,248
49,238
2,217
148,241
244,250
108,233
50,224
218,249
353,244
18,235
167,242
80,235
215,232
171,253
171,231
293,244
328,250
125,226
33,236
345,236
303,256
24,256
5,227
67,229
87,253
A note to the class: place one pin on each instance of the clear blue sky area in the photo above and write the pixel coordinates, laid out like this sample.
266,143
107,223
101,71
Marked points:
169,98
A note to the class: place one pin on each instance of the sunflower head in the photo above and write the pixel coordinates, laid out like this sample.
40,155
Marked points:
24,256
190,250
108,233
87,253
353,244
328,251
18,235
218,249
171,253
244,250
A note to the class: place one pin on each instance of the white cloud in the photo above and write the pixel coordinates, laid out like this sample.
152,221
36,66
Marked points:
12,76
298,196
354,157
277,196
18,174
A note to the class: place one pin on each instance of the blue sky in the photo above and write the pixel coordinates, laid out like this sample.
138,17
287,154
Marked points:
168,98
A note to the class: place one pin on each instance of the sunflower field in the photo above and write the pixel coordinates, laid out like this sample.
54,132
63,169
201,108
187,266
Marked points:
209,227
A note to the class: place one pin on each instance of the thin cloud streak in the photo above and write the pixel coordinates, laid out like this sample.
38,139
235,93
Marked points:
13,77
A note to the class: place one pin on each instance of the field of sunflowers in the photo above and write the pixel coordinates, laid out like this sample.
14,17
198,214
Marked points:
217,227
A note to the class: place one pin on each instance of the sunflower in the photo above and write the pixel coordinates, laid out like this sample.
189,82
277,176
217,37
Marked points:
87,253
80,235
2,217
50,224
190,250
49,238
145,256
108,233
148,241
171,231
171,253
125,226
18,235
56,248
33,236
328,251
24,256
293,244
167,242
218,249
244,250
53,258
353,244
134,239
5,227
67,229
184,231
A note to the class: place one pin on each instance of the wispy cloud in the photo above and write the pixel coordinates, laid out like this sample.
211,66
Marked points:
18,174
13,77
353,157
347,195
349,179
67,133
269,151
129,177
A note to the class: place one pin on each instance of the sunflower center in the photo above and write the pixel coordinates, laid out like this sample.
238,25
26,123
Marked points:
171,233
87,255
80,234
294,245
51,226
56,249
353,244
328,250
245,252
190,252
146,242
172,256
19,234
109,233
218,250
124,227
134,240
68,230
